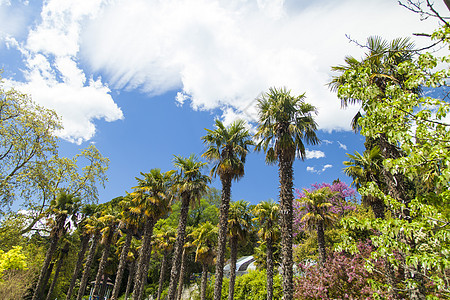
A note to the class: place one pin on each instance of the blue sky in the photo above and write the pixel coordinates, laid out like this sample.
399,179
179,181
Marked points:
142,79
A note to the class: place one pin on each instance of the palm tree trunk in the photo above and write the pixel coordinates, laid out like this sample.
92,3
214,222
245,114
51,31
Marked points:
162,273
182,272
102,265
286,215
131,268
269,263
121,267
60,220
63,255
222,240
179,245
321,243
46,279
233,258
144,258
204,281
84,245
87,267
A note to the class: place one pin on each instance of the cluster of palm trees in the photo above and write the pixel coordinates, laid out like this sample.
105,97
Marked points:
286,123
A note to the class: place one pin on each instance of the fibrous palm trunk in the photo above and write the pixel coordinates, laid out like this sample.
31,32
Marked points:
84,246
286,212
182,272
144,258
131,269
59,227
222,239
87,267
63,255
179,245
269,263
204,281
162,273
233,258
321,243
102,265
121,267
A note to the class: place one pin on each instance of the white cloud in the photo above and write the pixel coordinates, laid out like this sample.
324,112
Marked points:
313,169
327,142
217,53
342,146
314,154
53,76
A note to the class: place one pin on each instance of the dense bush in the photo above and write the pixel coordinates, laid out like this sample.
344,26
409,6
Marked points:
343,276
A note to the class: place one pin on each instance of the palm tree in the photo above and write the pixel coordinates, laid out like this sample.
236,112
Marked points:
153,194
93,228
227,150
285,122
110,220
164,240
367,168
191,184
204,239
132,255
129,223
63,206
63,254
318,216
187,248
239,224
267,215
86,211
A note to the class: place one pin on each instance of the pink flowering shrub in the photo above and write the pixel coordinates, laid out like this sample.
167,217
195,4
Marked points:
342,277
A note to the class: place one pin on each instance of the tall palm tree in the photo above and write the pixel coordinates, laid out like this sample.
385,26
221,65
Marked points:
86,212
110,220
239,224
63,254
227,150
204,239
93,228
285,123
61,208
318,216
367,168
267,216
191,185
187,248
130,221
164,240
154,196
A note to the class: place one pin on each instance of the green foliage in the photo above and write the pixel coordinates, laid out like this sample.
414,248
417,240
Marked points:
14,259
251,286
418,177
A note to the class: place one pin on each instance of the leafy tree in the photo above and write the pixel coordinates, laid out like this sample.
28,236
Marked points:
227,150
285,123
239,223
191,185
416,125
318,215
204,239
27,140
154,198
267,217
